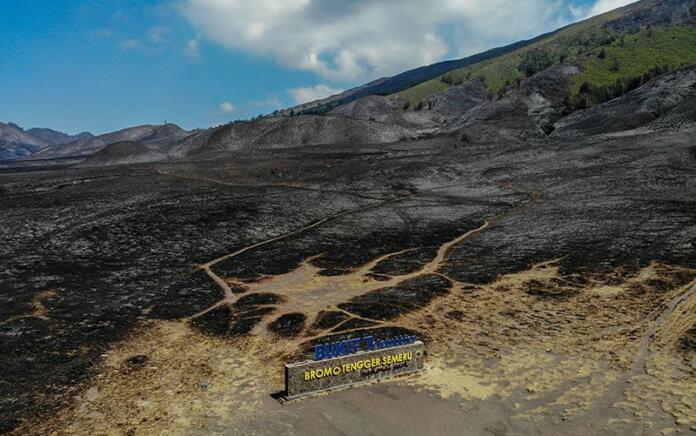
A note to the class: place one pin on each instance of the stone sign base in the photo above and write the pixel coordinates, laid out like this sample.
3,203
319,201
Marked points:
315,376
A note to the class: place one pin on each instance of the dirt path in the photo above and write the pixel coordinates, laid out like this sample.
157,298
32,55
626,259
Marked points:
605,406
308,292
229,296
644,348
305,291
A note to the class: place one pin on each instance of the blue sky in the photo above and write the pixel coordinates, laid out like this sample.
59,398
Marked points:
102,65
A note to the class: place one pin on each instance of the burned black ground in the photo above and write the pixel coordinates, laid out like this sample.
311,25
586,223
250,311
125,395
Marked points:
409,295
90,254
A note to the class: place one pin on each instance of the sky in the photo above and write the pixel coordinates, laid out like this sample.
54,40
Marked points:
103,65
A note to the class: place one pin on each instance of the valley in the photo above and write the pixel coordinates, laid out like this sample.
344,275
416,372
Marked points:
539,290
528,212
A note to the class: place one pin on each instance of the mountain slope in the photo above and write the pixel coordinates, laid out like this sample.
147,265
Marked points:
522,92
55,137
525,113
121,153
16,143
668,102
158,136
616,47
407,79
605,57
440,109
287,132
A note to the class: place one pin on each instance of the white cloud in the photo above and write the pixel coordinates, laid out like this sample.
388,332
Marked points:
192,49
226,107
347,40
270,102
131,44
351,40
602,6
303,95
159,34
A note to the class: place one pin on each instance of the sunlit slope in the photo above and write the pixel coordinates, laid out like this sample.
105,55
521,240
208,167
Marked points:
616,52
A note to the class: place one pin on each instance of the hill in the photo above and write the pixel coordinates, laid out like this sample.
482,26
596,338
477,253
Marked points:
287,132
615,52
521,92
15,142
158,136
121,153
405,80
55,137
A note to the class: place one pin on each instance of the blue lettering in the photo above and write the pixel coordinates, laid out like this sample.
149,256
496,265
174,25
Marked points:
352,346
319,352
355,345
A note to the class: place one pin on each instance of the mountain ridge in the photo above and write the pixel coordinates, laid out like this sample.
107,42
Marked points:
16,142
393,84
517,92
157,136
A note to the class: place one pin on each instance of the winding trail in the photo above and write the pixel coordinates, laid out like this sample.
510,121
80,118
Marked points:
646,340
304,228
615,392
305,291
229,296
308,292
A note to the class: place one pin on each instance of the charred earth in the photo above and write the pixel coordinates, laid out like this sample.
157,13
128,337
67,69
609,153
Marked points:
539,236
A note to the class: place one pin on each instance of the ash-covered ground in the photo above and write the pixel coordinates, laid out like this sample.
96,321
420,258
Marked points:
553,284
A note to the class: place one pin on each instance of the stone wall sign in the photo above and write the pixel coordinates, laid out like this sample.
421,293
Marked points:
354,365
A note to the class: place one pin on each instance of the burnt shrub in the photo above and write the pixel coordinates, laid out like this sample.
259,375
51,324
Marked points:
288,325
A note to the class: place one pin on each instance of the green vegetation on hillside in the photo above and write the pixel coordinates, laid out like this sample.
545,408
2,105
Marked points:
612,62
505,70
630,61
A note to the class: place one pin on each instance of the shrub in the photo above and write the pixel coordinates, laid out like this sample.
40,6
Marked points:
447,79
589,94
534,61
616,65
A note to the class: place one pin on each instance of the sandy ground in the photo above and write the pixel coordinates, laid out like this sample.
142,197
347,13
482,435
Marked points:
499,362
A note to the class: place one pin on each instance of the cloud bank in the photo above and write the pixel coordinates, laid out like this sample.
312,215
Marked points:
602,6
226,107
303,95
347,41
